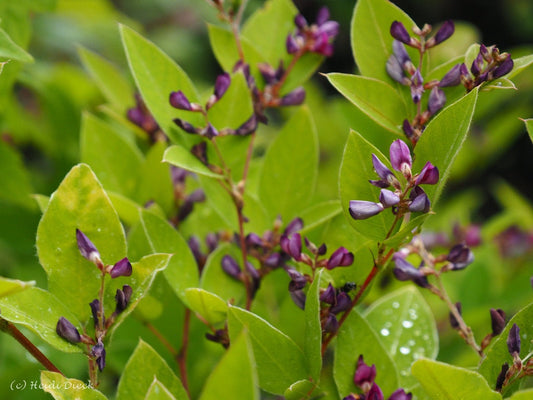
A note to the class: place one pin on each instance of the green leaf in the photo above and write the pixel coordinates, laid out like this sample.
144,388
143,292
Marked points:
319,214
127,209
498,352
181,157
42,201
182,270
287,180
115,88
156,75
113,159
356,338
144,365
141,279
522,395
406,328
313,329
158,391
448,382
155,182
216,281
14,178
370,35
10,50
39,311
377,99
301,390
62,388
235,376
219,200
529,127
280,362
80,202
12,286
442,141
520,64
235,107
356,169
211,307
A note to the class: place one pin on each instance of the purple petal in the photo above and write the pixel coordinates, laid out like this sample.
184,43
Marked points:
294,226
398,32
388,198
322,16
460,256
222,84
292,45
436,100
343,303
121,268
400,155
383,172
230,267
428,176
497,319
364,374
405,271
504,68
340,258
300,21
360,209
400,395
248,127
186,126
86,247
67,331
452,77
293,98
513,340
292,245
179,100
330,28
420,203
445,31
329,295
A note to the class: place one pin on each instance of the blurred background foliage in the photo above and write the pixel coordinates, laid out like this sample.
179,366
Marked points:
41,105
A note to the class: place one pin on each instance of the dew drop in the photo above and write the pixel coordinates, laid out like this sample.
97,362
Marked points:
417,332
407,324
411,342
387,324
405,350
384,332
425,337
395,305
404,372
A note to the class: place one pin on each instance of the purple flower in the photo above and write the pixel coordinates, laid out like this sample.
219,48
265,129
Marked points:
95,309
400,155
230,267
398,32
361,209
222,84
497,319
294,226
298,297
329,295
405,271
374,393
292,45
343,303
364,374
436,100
98,352
293,98
180,101
340,258
428,176
292,245
248,127
417,86
121,268
298,281
445,31
331,325
504,68
501,376
419,200
400,395
387,177
453,76
209,131
388,198
87,248
513,340
460,256
398,63
122,298
67,331
186,126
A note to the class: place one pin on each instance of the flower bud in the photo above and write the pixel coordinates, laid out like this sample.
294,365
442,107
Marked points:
497,319
501,376
67,331
292,45
405,271
180,101
98,352
375,392
383,172
398,32
428,176
340,258
194,245
388,198
400,155
364,374
95,309
408,129
360,209
460,256
477,65
445,31
230,267
298,281
417,87
300,21
400,395
292,245
436,100
122,298
329,295
513,340
252,239
298,297
294,226
331,325
273,260
209,131
504,68
222,84
121,268
419,200
87,248
293,98
186,126
343,303
248,127
452,77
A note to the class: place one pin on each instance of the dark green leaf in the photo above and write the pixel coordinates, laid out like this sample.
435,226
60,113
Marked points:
10,50
14,178
211,307
181,157
313,329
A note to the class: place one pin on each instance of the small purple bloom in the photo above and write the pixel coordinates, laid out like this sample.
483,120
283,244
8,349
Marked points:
400,155
364,374
513,340
361,209
417,86
292,45
408,129
294,226
248,127
477,65
405,271
374,393
501,376
222,84
186,126
67,331
436,100
292,245
87,248
388,198
452,77
343,303
445,31
98,352
121,268
329,295
122,298
230,267
497,319
298,281
293,98
419,200
398,32
298,297
209,131
95,309
340,258
300,21
400,395
504,68
460,256
331,325
387,177
180,101
428,176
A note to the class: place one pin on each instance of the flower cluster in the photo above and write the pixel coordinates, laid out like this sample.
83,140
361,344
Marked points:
397,200
365,380
69,332
315,38
334,301
488,65
402,69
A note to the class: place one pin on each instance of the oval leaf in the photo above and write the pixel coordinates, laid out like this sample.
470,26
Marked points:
211,307
11,286
313,329
62,388
181,157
